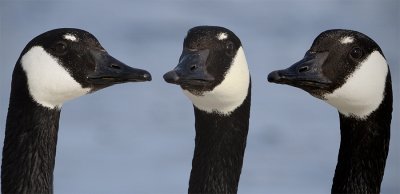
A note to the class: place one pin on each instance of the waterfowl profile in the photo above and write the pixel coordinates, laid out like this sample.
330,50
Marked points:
348,70
54,67
214,75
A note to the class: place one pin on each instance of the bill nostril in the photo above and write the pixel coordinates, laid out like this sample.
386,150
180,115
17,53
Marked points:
193,67
114,66
303,69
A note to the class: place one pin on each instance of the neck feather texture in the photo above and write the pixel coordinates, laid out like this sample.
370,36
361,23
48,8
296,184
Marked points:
30,142
364,148
219,150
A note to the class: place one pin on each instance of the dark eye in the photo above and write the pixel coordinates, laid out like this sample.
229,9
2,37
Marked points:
229,48
356,53
60,48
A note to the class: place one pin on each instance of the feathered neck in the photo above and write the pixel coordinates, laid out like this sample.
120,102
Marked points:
364,148
219,149
30,142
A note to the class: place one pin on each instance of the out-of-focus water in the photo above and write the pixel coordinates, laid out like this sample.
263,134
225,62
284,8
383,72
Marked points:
139,138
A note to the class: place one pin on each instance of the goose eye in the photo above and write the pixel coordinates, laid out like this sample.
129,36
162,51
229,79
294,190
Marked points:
229,48
356,53
60,48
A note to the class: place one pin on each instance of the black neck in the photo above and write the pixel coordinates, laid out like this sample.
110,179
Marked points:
364,148
219,149
30,142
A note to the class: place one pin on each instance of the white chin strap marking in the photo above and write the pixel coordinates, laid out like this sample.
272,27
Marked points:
49,83
363,91
230,93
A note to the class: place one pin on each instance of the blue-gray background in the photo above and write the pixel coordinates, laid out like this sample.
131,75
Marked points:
139,138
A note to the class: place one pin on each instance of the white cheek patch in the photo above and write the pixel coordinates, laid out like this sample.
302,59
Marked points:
49,83
70,37
363,91
222,36
230,93
347,40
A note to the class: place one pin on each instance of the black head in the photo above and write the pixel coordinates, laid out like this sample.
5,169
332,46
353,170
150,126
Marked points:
212,69
65,63
85,59
332,58
208,52
346,68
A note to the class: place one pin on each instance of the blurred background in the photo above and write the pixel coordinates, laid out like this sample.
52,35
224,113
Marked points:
139,138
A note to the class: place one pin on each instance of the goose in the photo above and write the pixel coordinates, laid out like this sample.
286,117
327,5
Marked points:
348,70
214,75
54,67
